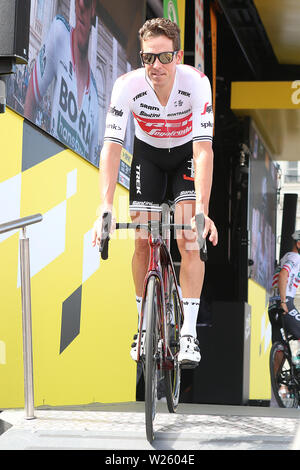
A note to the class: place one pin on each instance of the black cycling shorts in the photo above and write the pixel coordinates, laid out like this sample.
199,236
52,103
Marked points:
159,174
291,320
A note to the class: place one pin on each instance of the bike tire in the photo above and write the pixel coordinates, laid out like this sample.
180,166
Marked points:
172,377
282,376
151,354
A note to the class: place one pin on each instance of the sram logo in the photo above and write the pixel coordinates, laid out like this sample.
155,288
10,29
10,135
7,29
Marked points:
165,128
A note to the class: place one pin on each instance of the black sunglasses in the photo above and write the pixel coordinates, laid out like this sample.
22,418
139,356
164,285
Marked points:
148,58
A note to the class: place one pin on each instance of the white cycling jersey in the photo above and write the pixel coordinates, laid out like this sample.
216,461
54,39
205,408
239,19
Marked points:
76,127
291,263
187,116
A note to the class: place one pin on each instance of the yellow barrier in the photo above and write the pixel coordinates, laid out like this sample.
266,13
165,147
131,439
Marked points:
83,312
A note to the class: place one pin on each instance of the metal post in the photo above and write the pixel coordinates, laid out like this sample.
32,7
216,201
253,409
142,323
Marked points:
166,219
27,329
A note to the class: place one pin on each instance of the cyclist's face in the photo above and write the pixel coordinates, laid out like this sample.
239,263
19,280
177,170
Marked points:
161,74
85,10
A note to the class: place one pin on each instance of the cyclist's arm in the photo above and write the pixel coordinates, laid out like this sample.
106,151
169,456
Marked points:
282,283
30,101
108,175
44,70
203,165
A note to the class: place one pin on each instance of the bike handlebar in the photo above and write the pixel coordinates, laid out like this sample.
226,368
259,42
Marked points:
106,227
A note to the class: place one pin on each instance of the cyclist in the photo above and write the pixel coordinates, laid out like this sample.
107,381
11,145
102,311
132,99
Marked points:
285,283
172,107
63,60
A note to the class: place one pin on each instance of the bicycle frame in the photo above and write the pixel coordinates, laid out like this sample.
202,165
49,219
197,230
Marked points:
160,259
160,262
287,349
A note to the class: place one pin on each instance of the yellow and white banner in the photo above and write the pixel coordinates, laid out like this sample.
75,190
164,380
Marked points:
175,11
199,35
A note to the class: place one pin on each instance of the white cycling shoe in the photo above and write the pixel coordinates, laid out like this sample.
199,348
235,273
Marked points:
189,354
134,346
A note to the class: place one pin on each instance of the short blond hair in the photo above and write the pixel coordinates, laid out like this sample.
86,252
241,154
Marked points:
161,27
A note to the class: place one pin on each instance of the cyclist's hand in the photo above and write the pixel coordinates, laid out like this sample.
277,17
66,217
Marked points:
285,310
209,228
97,230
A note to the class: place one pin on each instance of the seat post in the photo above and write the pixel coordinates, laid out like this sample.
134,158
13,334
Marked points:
166,219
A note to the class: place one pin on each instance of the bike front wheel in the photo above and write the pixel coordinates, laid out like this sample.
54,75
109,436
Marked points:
174,320
283,383
152,310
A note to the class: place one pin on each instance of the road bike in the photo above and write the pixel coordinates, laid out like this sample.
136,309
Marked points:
285,376
163,307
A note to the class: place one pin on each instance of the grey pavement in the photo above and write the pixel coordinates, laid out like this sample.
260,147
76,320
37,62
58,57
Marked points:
121,426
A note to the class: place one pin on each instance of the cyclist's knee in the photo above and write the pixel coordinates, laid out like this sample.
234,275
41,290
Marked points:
188,245
141,245
188,248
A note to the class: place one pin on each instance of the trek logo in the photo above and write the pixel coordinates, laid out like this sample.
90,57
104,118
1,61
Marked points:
165,128
138,179
68,104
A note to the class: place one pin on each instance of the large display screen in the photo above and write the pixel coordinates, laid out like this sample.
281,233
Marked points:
262,211
77,49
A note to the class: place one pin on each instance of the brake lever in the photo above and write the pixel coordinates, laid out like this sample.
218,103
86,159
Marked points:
200,224
105,231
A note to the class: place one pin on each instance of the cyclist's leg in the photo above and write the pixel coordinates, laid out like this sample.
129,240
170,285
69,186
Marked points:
275,320
292,318
147,187
191,281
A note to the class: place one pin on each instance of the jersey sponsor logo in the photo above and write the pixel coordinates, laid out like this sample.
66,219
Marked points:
184,93
165,128
140,95
180,113
115,112
207,109
152,108
113,127
191,176
151,115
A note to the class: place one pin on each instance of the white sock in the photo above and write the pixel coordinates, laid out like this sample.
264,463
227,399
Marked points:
191,309
139,308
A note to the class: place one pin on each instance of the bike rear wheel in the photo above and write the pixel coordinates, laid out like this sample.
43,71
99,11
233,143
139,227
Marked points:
284,387
174,321
152,303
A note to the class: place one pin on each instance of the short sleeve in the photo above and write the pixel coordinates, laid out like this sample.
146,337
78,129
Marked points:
203,121
117,114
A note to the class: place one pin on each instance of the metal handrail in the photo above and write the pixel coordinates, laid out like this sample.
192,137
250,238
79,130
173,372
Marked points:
20,223
26,306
